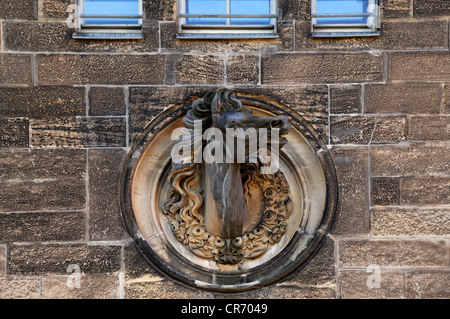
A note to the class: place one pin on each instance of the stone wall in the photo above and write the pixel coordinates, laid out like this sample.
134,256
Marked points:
70,111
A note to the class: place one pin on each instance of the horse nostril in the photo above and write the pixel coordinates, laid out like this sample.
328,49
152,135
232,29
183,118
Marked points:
276,124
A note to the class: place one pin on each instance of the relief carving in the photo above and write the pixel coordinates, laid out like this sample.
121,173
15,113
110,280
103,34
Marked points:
229,210
229,192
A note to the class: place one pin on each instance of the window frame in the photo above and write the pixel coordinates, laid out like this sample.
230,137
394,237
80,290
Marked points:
345,30
106,31
220,31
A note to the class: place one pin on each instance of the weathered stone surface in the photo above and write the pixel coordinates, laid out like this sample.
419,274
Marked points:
170,42
428,284
157,10
106,101
425,190
105,217
56,36
396,8
14,132
29,227
282,291
200,69
356,253
385,191
36,36
167,289
294,9
395,35
51,258
162,290
42,195
410,221
18,9
359,285
21,288
426,128
78,132
427,8
39,101
91,287
320,68
433,66
242,69
2,260
446,98
147,102
137,269
42,164
320,271
352,216
402,98
409,160
104,69
414,34
345,99
15,69
55,9
351,129
390,130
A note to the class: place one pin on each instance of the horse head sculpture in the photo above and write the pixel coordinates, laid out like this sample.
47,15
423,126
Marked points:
208,203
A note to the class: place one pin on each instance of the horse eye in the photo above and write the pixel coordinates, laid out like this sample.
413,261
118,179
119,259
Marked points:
233,125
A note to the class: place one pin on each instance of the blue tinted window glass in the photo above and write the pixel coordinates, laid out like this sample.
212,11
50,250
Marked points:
111,7
342,7
250,7
220,7
206,7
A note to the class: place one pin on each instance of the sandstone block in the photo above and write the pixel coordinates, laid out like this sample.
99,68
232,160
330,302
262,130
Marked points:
410,221
416,66
39,101
54,259
402,98
345,99
78,132
106,101
321,68
392,253
32,227
15,69
428,284
43,195
14,132
100,69
409,160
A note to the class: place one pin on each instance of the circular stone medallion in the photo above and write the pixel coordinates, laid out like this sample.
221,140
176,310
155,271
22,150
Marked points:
193,231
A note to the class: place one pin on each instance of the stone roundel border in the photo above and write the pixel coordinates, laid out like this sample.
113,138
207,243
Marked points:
285,264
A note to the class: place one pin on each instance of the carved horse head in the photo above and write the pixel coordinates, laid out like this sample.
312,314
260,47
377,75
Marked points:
229,117
209,197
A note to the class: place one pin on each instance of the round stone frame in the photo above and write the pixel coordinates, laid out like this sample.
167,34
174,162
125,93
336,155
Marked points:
281,267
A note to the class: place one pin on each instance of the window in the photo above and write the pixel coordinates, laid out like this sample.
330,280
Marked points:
345,18
227,18
108,19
